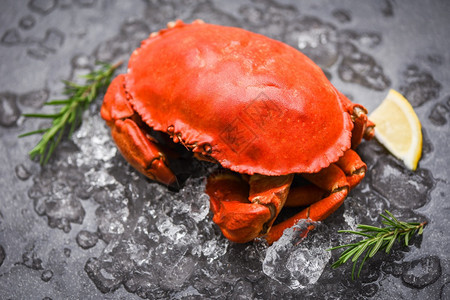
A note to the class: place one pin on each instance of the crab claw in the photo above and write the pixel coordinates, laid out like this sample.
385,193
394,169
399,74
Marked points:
138,148
244,210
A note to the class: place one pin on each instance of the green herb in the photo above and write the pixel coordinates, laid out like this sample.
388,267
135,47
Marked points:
70,115
376,239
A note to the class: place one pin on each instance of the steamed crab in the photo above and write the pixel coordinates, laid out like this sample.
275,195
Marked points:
256,106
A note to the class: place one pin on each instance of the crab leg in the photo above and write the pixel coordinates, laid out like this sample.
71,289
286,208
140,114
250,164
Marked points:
138,148
363,127
353,167
244,210
331,179
338,179
304,195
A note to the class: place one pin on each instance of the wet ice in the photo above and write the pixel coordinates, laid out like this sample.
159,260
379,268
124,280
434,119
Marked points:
297,264
43,7
405,188
30,259
27,22
34,99
422,272
11,37
86,239
22,172
317,40
361,68
9,111
46,275
419,86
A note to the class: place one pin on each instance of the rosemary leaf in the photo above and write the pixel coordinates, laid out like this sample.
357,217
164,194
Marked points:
376,247
376,239
57,102
369,228
356,232
79,97
392,240
361,264
407,238
361,250
39,131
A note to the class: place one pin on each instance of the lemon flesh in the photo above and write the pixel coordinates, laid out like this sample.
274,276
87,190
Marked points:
398,128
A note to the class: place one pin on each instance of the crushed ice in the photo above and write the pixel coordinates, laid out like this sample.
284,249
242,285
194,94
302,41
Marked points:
161,241
298,262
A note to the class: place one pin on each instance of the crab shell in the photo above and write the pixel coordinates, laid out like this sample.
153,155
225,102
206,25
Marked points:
251,103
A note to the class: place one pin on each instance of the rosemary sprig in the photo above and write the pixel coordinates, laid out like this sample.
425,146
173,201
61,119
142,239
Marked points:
70,115
376,239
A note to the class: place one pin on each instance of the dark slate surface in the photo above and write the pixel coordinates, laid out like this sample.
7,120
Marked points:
88,227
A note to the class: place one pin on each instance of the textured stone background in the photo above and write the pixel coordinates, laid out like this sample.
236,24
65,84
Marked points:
88,226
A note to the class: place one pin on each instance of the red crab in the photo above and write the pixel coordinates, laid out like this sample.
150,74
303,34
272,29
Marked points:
256,106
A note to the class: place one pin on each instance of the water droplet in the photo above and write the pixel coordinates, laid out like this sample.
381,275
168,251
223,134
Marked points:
211,14
27,22
43,7
316,39
30,259
367,205
86,239
67,252
38,52
366,39
77,75
343,16
420,86
53,39
369,290
112,49
81,61
11,37
102,279
404,188
361,68
135,30
34,99
21,172
60,212
370,272
435,59
46,275
393,268
54,192
388,8
438,114
422,272
9,111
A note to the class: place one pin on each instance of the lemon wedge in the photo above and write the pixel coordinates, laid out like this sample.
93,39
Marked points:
398,128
